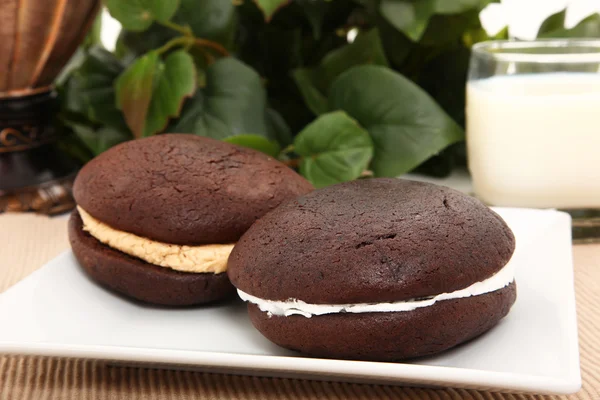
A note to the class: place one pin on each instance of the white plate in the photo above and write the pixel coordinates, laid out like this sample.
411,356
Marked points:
58,311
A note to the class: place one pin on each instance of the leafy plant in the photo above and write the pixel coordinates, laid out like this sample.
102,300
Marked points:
282,77
554,27
334,148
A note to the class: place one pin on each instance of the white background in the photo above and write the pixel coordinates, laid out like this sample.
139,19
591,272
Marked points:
525,16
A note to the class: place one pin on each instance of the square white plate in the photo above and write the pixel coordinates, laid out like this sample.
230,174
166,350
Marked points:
58,311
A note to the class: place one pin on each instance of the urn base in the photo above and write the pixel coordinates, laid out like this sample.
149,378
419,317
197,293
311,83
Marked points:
34,174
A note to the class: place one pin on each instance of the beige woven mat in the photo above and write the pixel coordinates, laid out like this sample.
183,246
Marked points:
28,241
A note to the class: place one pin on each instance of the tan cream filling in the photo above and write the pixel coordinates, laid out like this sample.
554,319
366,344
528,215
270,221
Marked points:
205,258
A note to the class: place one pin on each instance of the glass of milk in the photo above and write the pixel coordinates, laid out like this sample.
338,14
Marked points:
533,123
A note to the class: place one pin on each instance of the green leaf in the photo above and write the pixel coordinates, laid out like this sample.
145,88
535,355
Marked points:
209,19
98,141
314,99
256,142
93,37
553,23
269,7
406,125
478,34
272,49
396,44
502,35
235,96
131,44
334,148
192,113
134,91
315,13
444,77
277,127
89,89
446,29
232,103
366,49
403,16
100,64
69,143
162,10
176,80
439,166
138,15
201,63
151,91
315,83
412,17
587,28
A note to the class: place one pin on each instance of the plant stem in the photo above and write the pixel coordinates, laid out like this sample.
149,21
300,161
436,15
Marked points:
288,149
184,30
188,40
209,58
212,45
178,41
292,163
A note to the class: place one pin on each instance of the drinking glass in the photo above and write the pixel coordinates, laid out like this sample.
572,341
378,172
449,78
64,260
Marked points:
533,126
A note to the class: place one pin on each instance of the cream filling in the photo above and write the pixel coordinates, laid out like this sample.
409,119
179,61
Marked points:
198,259
289,307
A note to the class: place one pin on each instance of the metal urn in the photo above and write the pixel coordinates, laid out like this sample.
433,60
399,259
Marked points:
37,39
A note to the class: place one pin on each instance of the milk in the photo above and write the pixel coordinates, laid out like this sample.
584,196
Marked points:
534,140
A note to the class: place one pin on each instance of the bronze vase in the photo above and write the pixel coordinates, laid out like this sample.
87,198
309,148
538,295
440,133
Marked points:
37,39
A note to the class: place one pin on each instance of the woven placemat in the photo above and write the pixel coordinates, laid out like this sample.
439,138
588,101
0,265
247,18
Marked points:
28,241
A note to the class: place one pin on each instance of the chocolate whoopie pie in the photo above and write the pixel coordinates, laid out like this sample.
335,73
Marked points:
379,269
156,218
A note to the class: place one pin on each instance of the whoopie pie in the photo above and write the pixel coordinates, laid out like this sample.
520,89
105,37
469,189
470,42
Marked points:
156,218
378,269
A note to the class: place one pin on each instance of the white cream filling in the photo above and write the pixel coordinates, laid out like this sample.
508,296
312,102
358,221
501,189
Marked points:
289,307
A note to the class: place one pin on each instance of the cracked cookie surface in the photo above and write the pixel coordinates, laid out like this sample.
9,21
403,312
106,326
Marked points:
184,189
369,241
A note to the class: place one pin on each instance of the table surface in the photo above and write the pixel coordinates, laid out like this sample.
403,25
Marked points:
28,241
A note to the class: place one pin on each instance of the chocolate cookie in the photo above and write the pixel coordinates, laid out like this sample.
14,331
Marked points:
157,218
387,336
184,189
371,240
138,279
376,261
